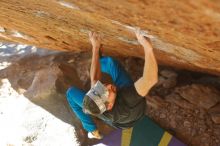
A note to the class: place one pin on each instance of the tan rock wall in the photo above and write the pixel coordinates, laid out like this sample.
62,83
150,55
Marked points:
185,34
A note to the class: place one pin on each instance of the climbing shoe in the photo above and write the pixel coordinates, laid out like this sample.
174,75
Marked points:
95,135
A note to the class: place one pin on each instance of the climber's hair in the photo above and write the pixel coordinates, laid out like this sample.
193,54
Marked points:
90,105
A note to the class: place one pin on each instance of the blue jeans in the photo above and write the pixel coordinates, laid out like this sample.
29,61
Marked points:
75,96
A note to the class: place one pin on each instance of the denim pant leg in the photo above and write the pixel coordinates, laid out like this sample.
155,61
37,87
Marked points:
112,67
75,98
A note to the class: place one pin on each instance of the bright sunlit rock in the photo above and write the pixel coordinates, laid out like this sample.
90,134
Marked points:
22,122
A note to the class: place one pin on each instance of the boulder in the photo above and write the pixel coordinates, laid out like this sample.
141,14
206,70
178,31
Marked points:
178,100
178,29
34,111
33,98
41,115
215,113
167,79
199,95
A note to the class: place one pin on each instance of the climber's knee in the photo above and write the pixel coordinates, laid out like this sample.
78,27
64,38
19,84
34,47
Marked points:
70,92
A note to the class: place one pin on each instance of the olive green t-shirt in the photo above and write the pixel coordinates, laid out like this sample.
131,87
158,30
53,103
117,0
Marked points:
129,107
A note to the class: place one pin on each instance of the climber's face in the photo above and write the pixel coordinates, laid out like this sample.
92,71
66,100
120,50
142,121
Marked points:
112,96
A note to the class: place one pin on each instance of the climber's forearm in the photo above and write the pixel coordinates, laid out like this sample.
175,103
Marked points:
149,77
95,70
150,73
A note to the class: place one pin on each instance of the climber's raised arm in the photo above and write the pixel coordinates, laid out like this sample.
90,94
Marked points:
150,72
95,70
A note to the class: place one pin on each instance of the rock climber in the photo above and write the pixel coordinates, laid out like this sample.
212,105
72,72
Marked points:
120,103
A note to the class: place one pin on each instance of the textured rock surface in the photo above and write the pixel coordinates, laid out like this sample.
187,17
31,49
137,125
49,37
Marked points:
200,95
215,113
24,122
33,96
186,34
40,116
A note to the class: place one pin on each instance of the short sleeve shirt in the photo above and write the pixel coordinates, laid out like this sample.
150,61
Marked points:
129,107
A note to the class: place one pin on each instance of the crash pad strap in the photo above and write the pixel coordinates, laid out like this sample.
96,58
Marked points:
126,137
165,139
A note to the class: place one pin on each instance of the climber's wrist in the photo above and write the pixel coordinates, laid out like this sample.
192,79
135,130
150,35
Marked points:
96,48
